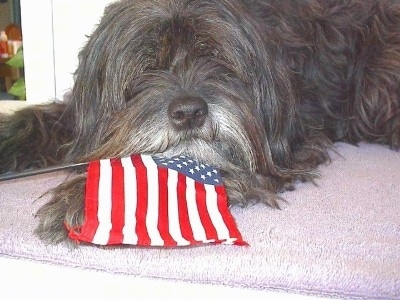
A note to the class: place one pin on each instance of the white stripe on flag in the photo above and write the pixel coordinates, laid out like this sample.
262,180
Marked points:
215,215
130,190
173,213
199,232
152,201
104,203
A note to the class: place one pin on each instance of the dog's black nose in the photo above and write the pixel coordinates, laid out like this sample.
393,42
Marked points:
188,112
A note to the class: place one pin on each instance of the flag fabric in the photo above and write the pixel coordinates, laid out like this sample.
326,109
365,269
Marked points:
155,201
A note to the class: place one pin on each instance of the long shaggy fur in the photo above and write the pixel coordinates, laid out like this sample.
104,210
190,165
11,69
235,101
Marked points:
260,89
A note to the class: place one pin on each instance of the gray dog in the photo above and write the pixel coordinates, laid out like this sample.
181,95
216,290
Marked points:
259,89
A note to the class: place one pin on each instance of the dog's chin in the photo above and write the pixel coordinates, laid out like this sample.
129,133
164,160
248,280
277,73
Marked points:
211,152
210,144
203,146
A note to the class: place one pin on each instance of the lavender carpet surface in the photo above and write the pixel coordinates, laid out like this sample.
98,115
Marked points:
340,238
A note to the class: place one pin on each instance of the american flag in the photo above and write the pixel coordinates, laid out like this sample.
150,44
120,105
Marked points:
155,201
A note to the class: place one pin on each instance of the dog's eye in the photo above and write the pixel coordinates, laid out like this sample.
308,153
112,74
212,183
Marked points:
214,53
202,46
203,49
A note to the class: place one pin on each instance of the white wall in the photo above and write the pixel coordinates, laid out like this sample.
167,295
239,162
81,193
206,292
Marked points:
54,31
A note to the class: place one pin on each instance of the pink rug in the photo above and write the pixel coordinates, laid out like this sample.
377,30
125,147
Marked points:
340,238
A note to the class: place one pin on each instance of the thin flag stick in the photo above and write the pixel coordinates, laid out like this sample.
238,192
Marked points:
33,172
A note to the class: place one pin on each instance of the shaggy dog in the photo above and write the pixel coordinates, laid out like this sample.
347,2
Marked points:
258,88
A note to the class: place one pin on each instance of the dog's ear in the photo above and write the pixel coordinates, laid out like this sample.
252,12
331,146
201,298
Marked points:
86,100
277,106
102,76
261,66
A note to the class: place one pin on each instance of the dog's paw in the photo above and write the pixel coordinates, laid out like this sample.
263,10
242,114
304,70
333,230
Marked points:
65,209
244,189
33,137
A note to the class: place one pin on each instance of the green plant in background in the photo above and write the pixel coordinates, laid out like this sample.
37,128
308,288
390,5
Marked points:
18,89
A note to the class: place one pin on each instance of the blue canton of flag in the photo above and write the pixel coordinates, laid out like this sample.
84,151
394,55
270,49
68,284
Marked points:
200,172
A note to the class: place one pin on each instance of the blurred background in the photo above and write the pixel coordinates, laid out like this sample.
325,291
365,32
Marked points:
12,84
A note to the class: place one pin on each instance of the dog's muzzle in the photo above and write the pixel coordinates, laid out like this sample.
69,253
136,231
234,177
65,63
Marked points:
187,112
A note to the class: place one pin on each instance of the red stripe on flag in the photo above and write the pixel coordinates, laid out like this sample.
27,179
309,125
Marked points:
201,200
142,194
227,217
163,217
186,228
91,222
118,203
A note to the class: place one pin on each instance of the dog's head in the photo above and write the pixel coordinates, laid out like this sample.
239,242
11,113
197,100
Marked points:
178,76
